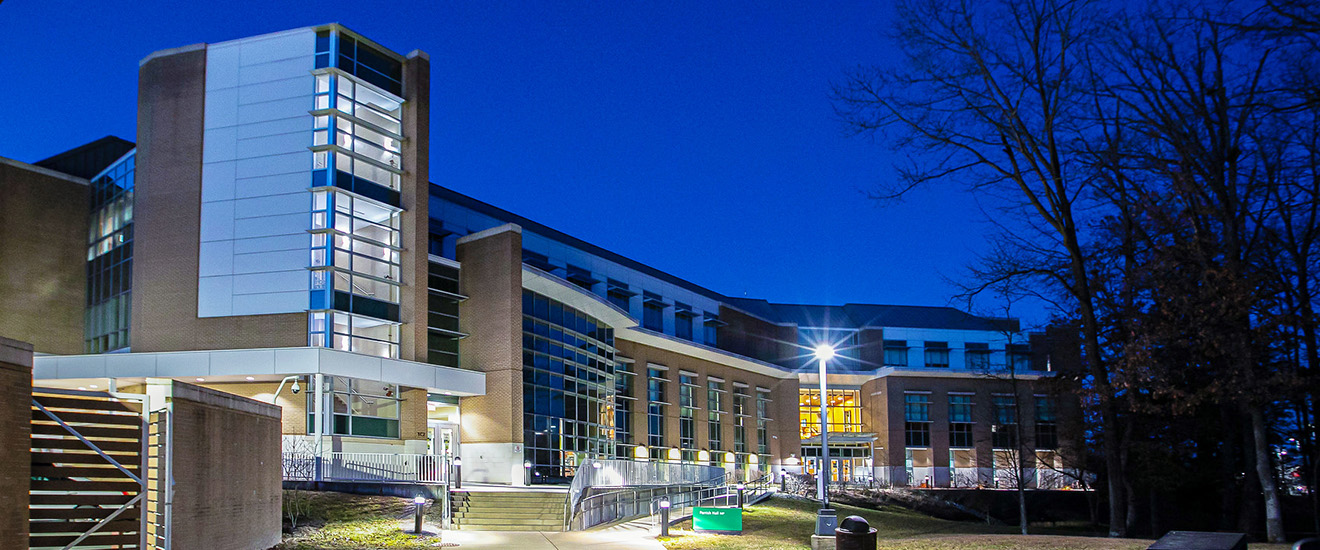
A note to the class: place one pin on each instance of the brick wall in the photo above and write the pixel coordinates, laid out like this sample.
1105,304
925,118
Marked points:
15,439
167,221
43,256
491,278
782,430
226,471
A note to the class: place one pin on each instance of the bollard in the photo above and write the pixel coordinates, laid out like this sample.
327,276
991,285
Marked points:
458,472
783,483
419,503
854,533
664,518
741,487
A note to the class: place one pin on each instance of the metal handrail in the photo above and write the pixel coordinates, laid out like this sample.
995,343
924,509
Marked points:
627,500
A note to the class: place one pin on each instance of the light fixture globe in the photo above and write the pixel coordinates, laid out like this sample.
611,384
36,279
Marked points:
824,352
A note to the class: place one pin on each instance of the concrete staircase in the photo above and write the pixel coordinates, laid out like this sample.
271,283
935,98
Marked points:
508,510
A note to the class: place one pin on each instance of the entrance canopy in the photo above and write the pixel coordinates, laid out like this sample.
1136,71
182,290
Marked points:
264,364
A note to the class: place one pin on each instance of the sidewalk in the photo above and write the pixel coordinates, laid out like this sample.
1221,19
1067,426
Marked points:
624,536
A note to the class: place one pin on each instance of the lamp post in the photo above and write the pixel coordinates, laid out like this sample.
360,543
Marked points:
664,517
826,519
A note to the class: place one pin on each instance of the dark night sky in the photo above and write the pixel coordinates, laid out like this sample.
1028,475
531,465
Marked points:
696,137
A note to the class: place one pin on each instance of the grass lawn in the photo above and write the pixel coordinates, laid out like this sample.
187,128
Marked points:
337,521
787,524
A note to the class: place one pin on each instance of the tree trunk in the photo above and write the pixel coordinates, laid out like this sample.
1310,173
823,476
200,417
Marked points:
1100,381
1229,497
1264,470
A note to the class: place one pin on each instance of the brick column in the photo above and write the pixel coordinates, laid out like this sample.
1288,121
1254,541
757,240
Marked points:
15,439
492,427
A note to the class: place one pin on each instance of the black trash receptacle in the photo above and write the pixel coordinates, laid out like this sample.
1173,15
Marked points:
854,533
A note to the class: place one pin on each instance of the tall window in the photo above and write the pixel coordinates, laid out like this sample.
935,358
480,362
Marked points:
937,354
960,420
714,406
568,388
110,258
740,419
1047,431
623,410
896,353
1006,419
442,315
709,324
687,422
655,407
977,356
916,412
762,418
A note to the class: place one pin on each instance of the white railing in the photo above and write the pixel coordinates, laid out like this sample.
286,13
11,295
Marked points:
385,467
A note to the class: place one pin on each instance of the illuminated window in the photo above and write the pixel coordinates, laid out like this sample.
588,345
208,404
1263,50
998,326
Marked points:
843,409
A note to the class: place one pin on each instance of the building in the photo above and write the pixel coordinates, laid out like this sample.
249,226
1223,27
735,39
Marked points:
275,228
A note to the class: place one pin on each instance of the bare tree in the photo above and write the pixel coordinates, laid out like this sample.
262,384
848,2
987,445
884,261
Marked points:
994,94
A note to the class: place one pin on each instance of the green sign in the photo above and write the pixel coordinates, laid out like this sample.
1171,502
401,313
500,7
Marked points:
719,520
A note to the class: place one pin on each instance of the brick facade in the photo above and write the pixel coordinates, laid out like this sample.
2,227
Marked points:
491,278
43,248
15,439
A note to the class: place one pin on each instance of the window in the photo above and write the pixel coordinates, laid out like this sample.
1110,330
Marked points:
687,424
714,407
356,139
916,413
347,332
1019,357
937,354
655,407
960,420
653,312
896,354
843,409
442,315
762,417
618,294
739,419
683,321
977,356
710,324
1005,427
1047,432
623,410
361,60
359,408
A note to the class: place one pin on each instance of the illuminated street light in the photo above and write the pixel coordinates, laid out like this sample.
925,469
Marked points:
826,519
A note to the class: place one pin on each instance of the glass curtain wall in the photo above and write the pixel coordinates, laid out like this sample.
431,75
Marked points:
110,258
568,388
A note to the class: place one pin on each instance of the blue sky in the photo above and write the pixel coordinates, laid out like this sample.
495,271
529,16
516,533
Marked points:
695,137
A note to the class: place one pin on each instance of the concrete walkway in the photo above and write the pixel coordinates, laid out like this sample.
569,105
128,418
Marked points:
624,536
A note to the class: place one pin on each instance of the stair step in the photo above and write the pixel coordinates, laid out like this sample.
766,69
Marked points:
504,514
507,528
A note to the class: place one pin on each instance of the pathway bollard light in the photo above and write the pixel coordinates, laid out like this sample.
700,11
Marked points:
664,518
740,495
527,472
854,533
458,472
420,503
